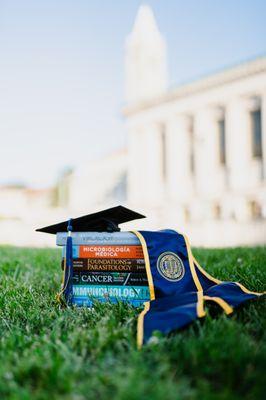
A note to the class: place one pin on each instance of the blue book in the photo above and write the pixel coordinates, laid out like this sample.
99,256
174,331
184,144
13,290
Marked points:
99,238
86,302
111,292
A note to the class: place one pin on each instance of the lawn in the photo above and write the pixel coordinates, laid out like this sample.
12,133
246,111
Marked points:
52,353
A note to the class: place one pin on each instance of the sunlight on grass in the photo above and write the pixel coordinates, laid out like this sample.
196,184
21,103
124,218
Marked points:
48,352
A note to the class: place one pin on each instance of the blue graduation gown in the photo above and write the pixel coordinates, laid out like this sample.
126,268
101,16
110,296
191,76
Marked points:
179,286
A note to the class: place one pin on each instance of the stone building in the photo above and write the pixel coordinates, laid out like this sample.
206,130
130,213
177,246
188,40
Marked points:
21,210
196,152
99,184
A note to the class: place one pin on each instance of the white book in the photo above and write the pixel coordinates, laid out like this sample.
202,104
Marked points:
100,238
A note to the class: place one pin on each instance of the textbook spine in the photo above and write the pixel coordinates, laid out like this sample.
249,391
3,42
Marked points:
98,238
81,301
110,278
107,291
110,251
107,265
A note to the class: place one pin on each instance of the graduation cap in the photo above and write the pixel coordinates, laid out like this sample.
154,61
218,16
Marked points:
102,221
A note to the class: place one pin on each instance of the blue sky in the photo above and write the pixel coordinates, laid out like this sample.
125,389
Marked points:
62,77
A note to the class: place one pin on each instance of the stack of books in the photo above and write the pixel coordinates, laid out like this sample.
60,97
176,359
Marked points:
107,267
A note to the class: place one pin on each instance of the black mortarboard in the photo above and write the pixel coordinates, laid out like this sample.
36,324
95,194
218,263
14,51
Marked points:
102,221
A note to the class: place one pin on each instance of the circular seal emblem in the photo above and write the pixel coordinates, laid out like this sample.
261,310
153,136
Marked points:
170,267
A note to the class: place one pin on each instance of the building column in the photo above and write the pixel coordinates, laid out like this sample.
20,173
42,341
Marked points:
238,144
155,181
207,168
179,180
145,178
263,118
136,160
239,156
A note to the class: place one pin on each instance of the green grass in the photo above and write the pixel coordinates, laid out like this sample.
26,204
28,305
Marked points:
52,353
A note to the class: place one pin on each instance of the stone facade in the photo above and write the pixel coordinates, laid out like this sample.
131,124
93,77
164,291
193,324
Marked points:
98,184
197,153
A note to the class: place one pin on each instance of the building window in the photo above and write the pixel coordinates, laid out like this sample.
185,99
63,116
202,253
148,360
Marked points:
164,150
186,214
256,133
217,212
255,210
222,141
191,145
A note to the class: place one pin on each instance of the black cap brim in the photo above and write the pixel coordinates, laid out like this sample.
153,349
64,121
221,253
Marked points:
98,222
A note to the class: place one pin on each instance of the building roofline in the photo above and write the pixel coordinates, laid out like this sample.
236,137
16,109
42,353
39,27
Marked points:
221,77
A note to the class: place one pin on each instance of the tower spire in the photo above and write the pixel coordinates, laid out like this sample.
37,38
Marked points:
145,58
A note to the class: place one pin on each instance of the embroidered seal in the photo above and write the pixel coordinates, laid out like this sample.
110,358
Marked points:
170,267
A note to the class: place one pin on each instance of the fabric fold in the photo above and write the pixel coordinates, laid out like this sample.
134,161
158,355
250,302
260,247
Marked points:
179,286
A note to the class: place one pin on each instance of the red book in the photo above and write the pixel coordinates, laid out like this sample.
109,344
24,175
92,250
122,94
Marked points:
115,251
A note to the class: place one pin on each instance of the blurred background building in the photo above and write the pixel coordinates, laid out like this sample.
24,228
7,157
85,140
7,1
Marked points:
194,161
196,152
